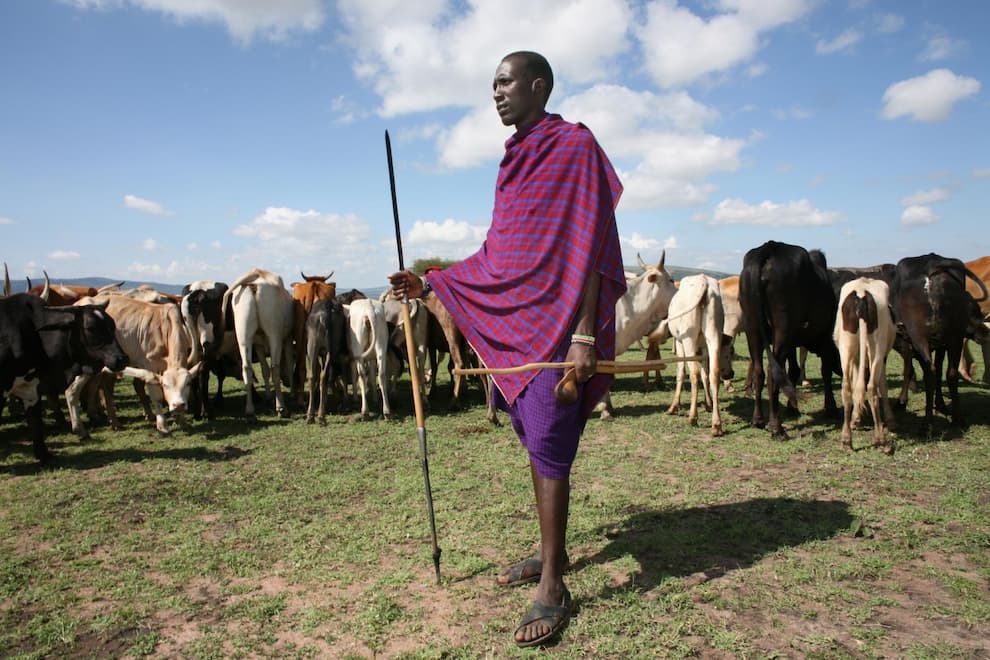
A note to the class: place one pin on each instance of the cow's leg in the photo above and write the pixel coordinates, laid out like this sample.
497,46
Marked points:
27,390
939,360
877,389
142,396
774,425
985,349
105,389
714,374
604,407
675,399
315,390
756,378
73,399
278,355
830,365
690,350
157,398
362,382
966,363
382,367
848,375
952,380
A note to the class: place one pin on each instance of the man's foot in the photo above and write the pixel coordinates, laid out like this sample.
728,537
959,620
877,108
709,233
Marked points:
524,572
543,622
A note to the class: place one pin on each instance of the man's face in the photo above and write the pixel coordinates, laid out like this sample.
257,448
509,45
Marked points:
516,100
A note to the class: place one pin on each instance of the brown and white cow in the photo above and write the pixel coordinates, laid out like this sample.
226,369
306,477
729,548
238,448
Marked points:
263,321
304,294
864,333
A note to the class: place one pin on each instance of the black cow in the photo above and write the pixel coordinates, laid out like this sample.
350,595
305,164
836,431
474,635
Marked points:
931,305
203,315
327,352
43,349
787,301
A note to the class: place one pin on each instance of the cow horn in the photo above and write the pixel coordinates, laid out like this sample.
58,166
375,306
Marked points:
642,264
28,280
305,279
46,292
329,276
663,257
6,280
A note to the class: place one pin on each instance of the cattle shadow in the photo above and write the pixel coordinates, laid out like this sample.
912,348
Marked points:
710,541
94,458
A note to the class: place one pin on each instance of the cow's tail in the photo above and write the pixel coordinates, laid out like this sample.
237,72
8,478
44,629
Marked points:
983,287
862,365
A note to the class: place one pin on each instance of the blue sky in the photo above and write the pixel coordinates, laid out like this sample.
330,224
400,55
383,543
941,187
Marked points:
175,140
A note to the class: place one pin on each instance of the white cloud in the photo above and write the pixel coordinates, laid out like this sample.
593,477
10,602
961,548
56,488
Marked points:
6,221
983,173
287,240
639,242
244,19
890,23
670,243
65,255
452,48
926,197
918,215
941,48
150,244
216,245
929,97
843,42
450,239
145,205
679,47
192,246
794,112
799,213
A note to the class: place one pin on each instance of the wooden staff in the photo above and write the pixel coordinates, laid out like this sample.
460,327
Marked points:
566,390
414,371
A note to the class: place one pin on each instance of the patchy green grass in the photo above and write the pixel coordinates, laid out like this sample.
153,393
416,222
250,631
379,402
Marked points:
293,540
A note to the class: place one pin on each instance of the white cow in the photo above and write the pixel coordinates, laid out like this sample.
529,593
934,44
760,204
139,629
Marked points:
864,333
419,316
641,307
262,309
695,321
367,338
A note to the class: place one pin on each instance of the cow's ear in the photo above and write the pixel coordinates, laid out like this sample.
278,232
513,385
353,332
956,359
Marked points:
141,374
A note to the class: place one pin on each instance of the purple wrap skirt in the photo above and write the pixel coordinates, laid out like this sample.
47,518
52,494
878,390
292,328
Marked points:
548,429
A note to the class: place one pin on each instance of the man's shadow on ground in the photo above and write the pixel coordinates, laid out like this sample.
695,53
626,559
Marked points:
711,541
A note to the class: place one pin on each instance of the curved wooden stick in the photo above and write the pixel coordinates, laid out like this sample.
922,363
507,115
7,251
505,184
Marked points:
566,390
604,367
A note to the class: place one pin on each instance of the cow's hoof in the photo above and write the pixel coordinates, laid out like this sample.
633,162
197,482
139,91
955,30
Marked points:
323,421
779,434
717,432
692,422
310,419
387,416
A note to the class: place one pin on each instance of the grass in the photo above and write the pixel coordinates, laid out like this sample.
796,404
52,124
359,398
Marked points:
293,540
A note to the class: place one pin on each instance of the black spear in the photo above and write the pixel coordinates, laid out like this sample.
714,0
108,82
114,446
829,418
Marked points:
413,369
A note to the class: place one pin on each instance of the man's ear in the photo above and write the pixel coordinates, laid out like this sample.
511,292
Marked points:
540,86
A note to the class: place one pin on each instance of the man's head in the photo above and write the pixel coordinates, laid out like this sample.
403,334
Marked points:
522,85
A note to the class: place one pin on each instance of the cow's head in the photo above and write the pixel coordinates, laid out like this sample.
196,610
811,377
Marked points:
174,384
201,309
91,333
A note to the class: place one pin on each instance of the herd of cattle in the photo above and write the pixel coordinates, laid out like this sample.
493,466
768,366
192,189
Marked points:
77,342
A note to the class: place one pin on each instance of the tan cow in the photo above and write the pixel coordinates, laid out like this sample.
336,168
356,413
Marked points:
864,333
158,347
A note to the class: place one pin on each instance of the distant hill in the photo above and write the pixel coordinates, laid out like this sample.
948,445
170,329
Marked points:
17,286
679,272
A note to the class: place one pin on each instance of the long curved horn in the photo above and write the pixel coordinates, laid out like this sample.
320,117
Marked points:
28,280
328,276
305,279
47,291
6,280
642,264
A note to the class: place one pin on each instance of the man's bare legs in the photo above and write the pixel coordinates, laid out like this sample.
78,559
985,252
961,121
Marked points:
552,501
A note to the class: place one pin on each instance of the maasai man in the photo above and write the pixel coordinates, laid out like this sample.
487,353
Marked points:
542,287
